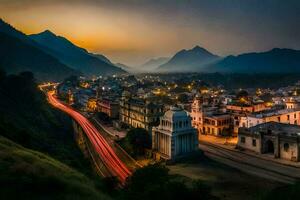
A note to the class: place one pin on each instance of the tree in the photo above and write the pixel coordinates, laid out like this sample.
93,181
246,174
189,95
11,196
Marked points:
136,141
154,182
242,94
183,98
103,117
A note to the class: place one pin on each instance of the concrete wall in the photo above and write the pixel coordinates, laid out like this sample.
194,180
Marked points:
248,143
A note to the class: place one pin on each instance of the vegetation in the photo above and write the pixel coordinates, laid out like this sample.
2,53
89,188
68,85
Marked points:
27,118
154,182
136,141
104,117
289,192
27,174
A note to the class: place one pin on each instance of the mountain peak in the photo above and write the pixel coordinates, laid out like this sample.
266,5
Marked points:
47,32
198,48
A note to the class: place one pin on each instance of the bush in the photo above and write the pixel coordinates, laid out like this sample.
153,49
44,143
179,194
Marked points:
136,141
154,182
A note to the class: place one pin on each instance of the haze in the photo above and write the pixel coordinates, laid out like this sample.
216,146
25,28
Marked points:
133,31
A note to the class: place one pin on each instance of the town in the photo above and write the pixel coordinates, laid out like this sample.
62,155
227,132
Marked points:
179,113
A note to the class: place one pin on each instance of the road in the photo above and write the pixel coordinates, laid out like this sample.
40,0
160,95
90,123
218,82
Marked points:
122,154
101,146
251,164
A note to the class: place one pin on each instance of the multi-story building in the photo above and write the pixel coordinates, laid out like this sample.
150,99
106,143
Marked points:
139,113
108,106
209,120
286,116
217,124
246,108
197,114
174,137
280,140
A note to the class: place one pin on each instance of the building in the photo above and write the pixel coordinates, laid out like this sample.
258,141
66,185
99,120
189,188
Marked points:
139,113
197,114
280,140
217,124
91,104
209,120
174,137
108,106
286,116
246,108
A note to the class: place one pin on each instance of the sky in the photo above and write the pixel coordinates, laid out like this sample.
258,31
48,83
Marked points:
133,31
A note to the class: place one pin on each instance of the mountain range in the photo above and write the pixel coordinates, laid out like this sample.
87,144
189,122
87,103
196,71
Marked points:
273,61
198,59
48,56
189,60
73,56
19,53
153,63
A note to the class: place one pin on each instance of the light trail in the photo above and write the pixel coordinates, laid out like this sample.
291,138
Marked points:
106,153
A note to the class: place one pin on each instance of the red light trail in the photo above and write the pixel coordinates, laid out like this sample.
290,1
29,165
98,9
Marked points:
107,154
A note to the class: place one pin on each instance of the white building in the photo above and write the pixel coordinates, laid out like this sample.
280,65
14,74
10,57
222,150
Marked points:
174,137
286,116
196,113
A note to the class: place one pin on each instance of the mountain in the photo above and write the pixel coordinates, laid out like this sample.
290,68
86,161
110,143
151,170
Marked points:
74,56
102,57
19,53
153,63
123,66
274,61
189,60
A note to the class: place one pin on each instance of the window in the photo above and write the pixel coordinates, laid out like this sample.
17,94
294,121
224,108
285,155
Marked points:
244,124
278,119
288,117
286,147
254,142
243,139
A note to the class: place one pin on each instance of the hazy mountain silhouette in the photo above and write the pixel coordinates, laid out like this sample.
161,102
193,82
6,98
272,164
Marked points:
19,53
274,61
153,63
189,60
74,56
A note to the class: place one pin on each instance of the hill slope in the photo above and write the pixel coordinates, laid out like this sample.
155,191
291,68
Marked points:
189,60
154,63
19,53
27,174
74,56
273,61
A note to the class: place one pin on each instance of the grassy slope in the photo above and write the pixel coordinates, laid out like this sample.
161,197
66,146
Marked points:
27,119
227,183
27,174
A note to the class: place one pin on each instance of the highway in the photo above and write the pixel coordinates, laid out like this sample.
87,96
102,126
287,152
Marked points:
101,146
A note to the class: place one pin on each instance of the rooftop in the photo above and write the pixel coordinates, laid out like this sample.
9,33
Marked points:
277,128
